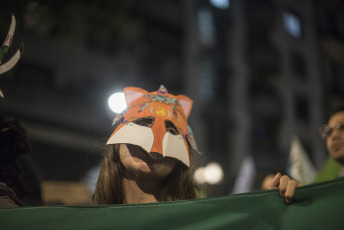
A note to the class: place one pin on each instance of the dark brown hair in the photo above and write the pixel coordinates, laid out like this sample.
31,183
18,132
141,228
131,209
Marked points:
338,108
178,185
14,145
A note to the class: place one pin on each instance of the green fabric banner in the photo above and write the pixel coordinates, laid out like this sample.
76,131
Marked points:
316,206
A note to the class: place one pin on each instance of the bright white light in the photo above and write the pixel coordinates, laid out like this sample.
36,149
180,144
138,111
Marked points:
117,102
199,175
222,4
211,174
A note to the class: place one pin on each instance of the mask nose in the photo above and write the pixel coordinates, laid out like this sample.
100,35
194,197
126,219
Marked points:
159,131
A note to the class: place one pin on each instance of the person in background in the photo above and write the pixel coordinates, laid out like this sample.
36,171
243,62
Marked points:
13,145
149,155
333,134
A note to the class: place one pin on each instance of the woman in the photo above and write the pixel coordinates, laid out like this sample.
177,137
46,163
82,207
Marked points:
150,153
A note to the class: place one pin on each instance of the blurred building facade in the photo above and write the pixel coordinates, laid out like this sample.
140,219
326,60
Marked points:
283,76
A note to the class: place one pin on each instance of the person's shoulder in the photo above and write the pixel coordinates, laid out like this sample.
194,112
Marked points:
6,202
5,196
4,187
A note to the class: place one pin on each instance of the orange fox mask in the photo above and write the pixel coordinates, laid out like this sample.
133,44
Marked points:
157,122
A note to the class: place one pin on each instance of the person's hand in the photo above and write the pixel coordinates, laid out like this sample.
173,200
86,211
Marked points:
285,185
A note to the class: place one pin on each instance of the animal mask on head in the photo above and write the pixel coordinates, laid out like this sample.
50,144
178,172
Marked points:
4,67
157,122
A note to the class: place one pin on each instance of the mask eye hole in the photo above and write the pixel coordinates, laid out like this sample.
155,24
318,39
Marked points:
171,128
145,121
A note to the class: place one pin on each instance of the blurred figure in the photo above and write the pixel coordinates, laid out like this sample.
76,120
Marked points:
13,145
11,62
333,134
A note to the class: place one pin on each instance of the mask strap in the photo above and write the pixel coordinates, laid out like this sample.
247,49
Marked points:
191,139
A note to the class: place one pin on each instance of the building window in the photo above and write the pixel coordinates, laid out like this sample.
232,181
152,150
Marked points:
206,30
292,24
298,65
302,109
221,4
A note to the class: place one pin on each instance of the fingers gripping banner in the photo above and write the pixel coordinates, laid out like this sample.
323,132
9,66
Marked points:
317,206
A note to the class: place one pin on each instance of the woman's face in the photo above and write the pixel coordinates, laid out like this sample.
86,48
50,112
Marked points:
137,162
335,141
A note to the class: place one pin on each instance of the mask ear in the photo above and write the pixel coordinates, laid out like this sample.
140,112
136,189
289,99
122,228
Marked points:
132,93
186,104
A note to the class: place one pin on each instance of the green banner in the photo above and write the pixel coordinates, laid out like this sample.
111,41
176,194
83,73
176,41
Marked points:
316,206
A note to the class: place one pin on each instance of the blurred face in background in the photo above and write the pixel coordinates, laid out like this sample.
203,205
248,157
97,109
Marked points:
335,136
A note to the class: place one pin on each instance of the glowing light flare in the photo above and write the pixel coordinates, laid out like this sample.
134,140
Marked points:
292,24
211,174
199,175
221,4
117,102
